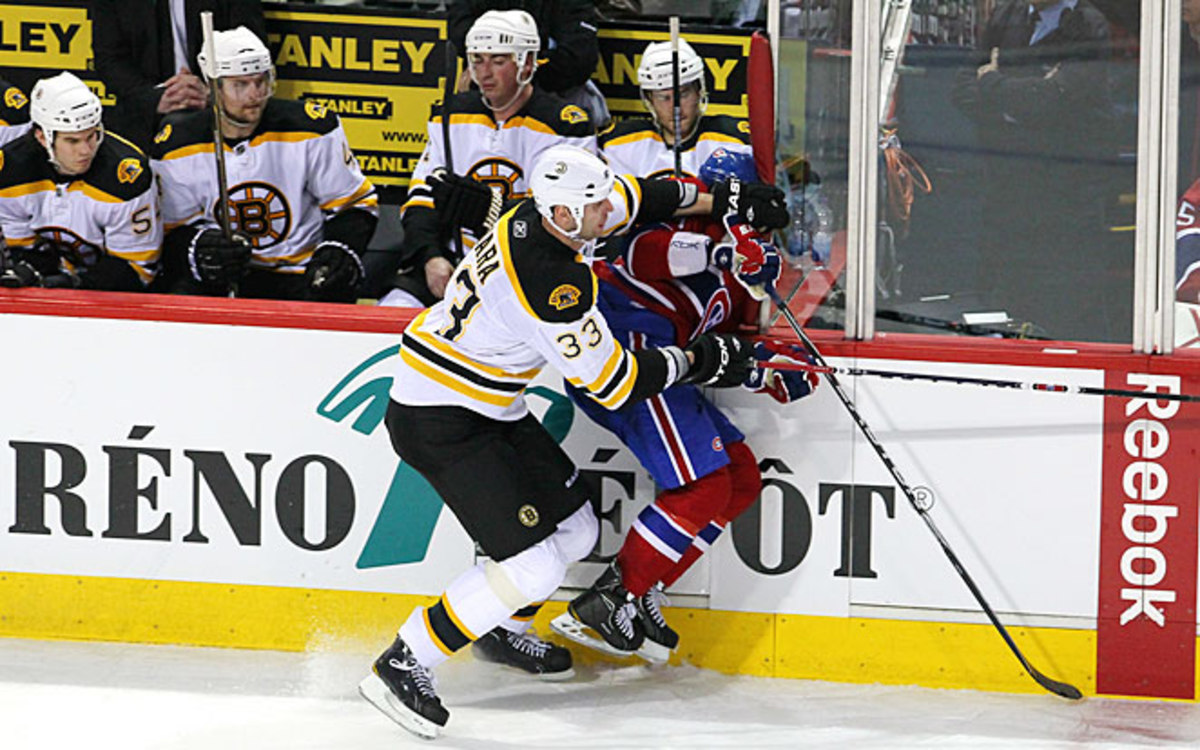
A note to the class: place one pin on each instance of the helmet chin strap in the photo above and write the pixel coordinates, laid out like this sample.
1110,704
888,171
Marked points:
695,124
521,84
50,135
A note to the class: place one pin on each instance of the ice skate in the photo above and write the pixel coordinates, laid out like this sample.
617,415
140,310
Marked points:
526,652
606,609
661,640
404,691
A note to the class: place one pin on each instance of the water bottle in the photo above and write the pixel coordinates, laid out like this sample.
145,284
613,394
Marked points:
811,230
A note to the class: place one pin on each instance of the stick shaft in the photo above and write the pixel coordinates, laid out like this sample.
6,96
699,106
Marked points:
1019,385
676,105
206,25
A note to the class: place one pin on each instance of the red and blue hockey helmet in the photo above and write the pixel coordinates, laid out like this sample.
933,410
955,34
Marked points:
723,164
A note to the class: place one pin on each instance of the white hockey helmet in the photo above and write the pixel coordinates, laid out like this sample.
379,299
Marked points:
506,32
572,177
237,52
64,104
654,71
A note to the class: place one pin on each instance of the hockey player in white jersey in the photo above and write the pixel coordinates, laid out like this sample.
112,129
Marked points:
644,145
496,135
78,206
14,112
523,298
299,206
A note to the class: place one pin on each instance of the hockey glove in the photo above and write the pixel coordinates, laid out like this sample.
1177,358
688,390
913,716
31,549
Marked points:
464,202
333,273
762,206
216,260
719,360
754,263
785,386
19,273
31,266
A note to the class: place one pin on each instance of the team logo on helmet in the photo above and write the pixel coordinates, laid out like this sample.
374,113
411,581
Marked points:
163,134
498,173
528,516
15,98
129,170
564,296
259,212
573,114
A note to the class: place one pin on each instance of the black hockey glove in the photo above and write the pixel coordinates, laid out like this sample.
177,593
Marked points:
719,360
464,202
216,260
333,273
19,273
32,266
764,207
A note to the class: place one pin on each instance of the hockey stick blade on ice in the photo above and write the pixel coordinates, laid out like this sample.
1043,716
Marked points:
1016,385
1054,686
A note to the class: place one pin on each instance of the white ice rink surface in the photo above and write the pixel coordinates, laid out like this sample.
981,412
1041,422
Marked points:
94,696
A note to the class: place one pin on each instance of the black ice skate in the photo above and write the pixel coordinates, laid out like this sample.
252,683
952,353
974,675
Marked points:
403,690
607,609
526,652
661,640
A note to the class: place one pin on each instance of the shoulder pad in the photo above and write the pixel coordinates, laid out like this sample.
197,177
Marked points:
120,169
625,127
728,125
179,131
21,161
557,288
288,116
564,119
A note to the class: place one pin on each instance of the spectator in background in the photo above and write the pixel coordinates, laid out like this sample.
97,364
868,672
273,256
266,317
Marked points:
299,207
14,112
496,134
643,146
78,207
1039,95
569,49
145,52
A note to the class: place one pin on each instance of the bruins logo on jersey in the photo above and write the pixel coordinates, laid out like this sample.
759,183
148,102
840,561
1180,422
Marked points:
528,515
499,173
564,296
260,212
314,109
15,98
163,134
129,170
573,114
71,247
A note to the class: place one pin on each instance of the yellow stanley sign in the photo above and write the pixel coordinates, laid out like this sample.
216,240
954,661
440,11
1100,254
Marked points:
44,36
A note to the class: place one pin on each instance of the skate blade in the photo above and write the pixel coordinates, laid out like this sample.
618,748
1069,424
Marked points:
655,653
574,630
378,695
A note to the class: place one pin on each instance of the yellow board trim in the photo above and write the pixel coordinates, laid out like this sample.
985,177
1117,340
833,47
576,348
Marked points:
843,649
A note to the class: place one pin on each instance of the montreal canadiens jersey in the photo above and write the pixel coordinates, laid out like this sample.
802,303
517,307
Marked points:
644,292
497,154
634,146
518,300
110,209
295,170
14,112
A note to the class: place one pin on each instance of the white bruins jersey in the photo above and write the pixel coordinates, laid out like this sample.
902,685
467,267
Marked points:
295,170
110,209
518,300
635,146
497,154
14,112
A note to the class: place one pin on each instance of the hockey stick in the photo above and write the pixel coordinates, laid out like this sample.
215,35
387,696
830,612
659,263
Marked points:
1016,385
447,151
1054,686
214,89
676,107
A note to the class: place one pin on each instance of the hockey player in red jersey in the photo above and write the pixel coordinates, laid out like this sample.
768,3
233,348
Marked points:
673,282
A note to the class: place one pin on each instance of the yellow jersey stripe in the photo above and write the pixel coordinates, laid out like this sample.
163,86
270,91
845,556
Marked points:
424,368
28,188
364,189
622,392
